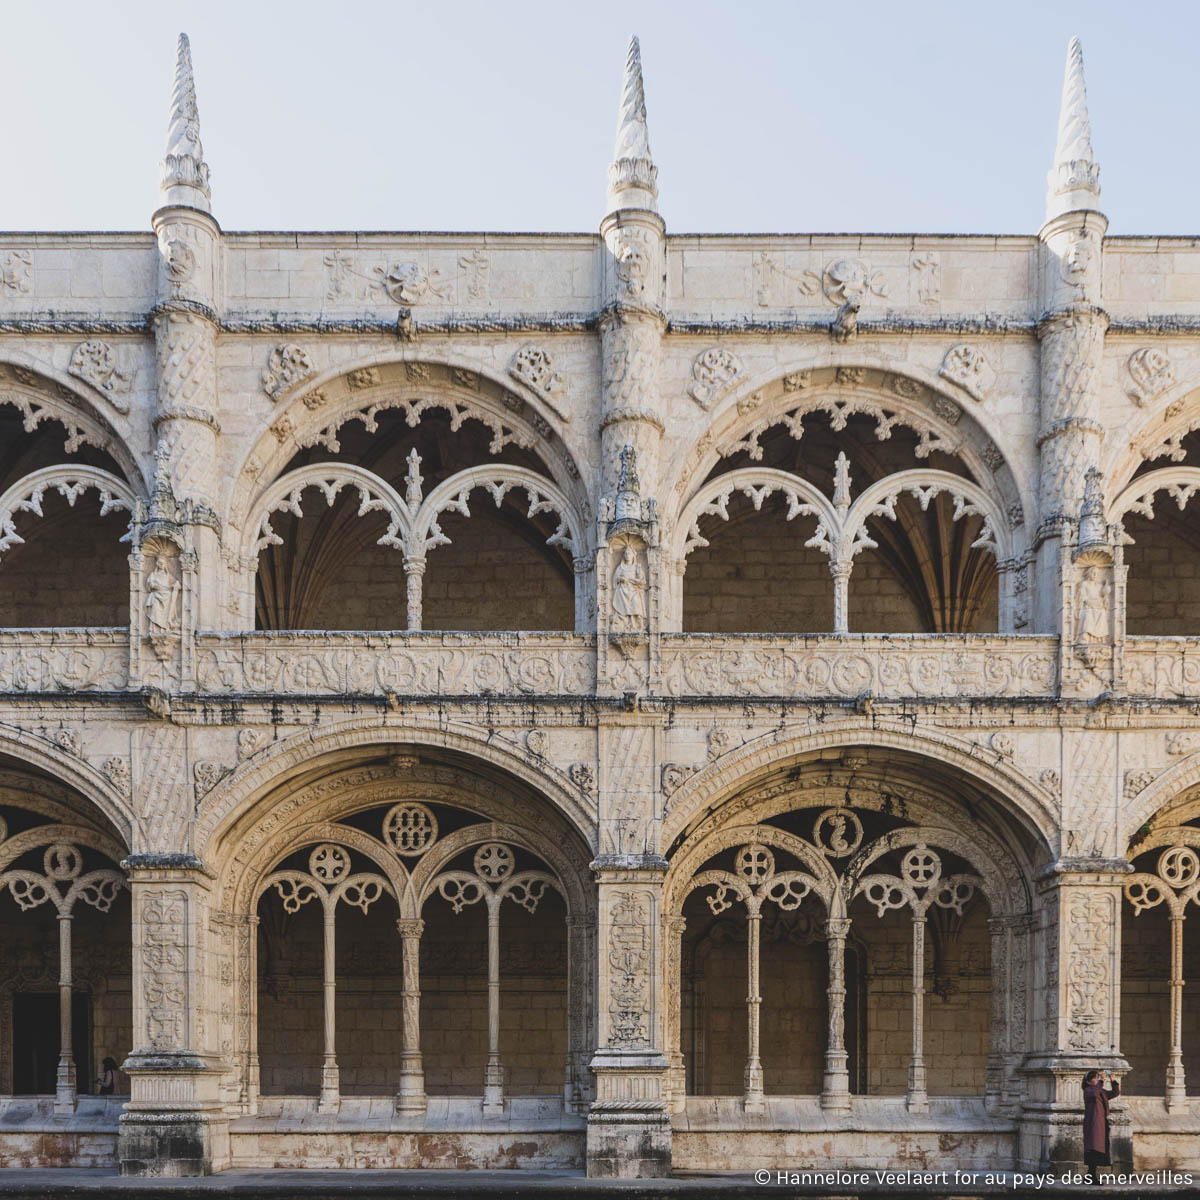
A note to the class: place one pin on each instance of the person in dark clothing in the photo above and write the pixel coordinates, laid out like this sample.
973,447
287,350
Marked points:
1097,1149
108,1076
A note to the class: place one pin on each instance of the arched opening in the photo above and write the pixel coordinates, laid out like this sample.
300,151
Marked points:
1160,962
840,519
801,918
65,960
422,933
491,559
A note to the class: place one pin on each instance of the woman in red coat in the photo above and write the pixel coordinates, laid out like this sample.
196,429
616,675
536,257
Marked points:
1096,1147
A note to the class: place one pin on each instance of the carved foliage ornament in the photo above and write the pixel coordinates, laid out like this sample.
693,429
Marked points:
966,366
533,366
95,362
287,366
1150,375
713,373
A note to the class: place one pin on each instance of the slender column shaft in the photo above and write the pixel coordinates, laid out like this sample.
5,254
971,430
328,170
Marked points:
841,596
835,1092
676,1077
250,982
754,1073
65,1082
411,1095
1176,1084
918,1099
414,571
493,1076
998,1041
330,1100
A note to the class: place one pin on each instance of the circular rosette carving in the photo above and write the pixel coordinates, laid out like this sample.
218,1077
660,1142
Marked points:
884,892
410,829
954,893
1143,892
62,861
755,864
921,866
788,891
459,890
837,832
494,862
1179,866
361,890
329,863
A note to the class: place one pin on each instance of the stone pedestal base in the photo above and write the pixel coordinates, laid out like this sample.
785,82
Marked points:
628,1143
174,1124
1050,1126
629,1129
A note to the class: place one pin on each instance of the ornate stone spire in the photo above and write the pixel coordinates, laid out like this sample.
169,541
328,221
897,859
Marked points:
1074,180
632,177
184,173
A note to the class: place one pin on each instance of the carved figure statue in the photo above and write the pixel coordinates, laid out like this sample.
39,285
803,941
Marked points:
162,599
629,591
1091,613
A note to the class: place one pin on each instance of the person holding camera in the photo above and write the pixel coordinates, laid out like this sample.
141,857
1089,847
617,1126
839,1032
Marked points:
1097,1144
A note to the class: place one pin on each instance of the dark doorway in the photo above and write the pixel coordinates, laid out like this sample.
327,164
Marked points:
35,1042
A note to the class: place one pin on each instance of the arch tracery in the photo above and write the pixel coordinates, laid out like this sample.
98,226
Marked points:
985,491
62,880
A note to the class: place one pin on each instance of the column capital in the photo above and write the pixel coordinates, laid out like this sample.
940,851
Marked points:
410,927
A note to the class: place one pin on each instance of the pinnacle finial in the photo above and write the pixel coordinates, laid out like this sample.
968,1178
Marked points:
632,177
184,173
1074,180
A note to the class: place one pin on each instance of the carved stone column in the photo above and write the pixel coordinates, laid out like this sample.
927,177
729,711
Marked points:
1176,1083
835,1088
999,930
917,1099
1078,1011
174,1123
676,1086
414,572
65,1081
629,1131
493,1072
330,1098
841,596
753,1101
410,1097
1072,349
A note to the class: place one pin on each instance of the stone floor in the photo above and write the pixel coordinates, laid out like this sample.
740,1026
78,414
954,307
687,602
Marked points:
513,1185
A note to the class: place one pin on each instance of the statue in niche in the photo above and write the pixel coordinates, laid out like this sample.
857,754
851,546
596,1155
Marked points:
162,608
1091,608
629,592
162,597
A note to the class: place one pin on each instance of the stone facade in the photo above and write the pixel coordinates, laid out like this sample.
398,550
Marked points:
620,700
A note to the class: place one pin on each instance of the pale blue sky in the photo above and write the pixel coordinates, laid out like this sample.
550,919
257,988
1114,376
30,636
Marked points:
768,116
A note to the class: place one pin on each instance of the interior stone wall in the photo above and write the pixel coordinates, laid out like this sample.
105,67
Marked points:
1163,561
72,569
